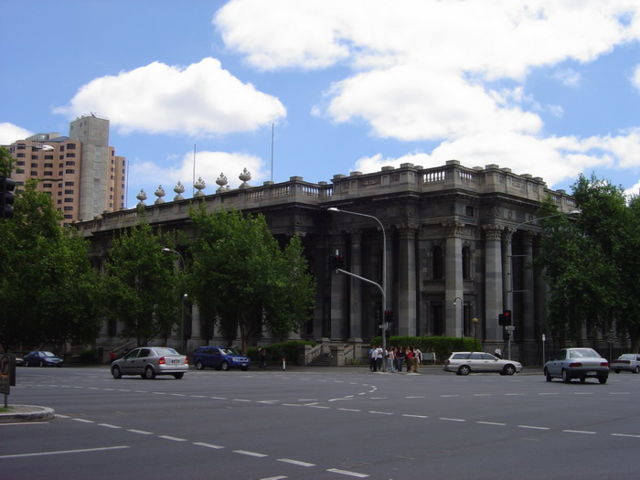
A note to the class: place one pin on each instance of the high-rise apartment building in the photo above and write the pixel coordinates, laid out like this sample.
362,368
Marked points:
81,172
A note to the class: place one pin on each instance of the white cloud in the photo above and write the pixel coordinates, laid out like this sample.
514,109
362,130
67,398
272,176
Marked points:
202,98
424,70
635,79
9,133
208,165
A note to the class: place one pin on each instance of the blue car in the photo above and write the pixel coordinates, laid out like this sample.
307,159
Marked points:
220,358
40,358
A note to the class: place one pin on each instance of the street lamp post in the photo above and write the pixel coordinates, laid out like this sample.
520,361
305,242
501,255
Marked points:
382,285
183,297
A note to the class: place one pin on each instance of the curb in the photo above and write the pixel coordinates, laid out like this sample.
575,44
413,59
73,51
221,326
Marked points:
27,413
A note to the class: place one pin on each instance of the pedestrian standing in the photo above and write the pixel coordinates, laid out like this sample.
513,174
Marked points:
390,360
372,358
399,358
408,355
417,359
379,358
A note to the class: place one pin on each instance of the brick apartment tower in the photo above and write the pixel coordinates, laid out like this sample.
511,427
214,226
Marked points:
80,172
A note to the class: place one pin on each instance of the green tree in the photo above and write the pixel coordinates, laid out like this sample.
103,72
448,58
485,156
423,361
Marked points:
5,162
48,288
243,281
140,285
588,261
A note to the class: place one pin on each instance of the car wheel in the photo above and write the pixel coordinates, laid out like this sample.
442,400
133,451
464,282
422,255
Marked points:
602,380
115,371
509,370
546,374
566,378
464,370
617,370
178,375
149,373
636,370
199,365
224,366
41,364
583,379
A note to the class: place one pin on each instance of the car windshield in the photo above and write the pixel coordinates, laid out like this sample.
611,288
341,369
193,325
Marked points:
583,353
166,351
47,354
626,356
229,351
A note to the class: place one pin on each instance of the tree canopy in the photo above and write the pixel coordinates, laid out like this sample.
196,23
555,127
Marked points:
592,262
48,289
243,281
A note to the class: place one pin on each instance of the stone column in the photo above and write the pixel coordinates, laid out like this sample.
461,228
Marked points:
196,338
407,308
454,283
355,317
507,269
528,315
493,282
338,298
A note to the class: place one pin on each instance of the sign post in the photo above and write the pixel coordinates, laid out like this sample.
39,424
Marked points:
6,363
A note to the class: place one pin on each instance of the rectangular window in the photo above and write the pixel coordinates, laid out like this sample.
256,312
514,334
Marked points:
68,192
68,184
71,155
34,165
68,200
70,163
48,165
69,170
20,162
48,157
68,208
47,185
20,155
71,146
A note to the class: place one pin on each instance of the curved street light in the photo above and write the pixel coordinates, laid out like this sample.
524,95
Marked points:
183,297
382,285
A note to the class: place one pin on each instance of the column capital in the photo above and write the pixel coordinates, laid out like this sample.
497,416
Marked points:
454,229
492,231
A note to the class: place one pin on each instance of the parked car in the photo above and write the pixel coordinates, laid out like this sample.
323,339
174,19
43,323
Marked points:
40,358
626,361
19,361
149,362
580,363
220,358
463,363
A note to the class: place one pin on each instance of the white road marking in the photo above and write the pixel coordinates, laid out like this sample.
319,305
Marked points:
292,404
296,462
414,416
241,400
348,473
61,416
62,452
446,419
82,420
548,393
514,394
375,412
208,445
586,432
532,427
481,394
349,409
250,454
173,439
108,425
619,393
268,402
319,406
498,424
416,396
141,432
279,477
624,435
22,423
449,396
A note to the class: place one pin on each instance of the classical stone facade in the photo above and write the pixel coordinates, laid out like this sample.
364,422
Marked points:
460,244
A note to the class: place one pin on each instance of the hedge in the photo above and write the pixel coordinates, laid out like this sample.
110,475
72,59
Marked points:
441,346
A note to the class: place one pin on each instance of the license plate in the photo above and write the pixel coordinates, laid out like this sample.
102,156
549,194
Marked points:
175,360
591,372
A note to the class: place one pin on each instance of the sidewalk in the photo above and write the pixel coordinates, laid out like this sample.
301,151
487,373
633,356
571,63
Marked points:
27,413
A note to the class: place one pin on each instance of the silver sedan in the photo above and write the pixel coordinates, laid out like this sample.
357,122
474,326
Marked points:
626,361
149,362
580,363
464,363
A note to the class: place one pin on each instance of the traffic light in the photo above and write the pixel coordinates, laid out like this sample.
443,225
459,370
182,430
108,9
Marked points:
388,316
336,261
504,318
6,197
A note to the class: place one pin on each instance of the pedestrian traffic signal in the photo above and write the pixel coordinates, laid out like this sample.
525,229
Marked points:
6,197
504,318
336,261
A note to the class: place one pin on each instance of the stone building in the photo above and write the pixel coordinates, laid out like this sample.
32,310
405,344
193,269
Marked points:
460,244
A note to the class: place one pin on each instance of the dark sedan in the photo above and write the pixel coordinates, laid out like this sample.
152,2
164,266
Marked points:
40,358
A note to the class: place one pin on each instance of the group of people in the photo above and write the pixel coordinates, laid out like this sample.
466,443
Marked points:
395,358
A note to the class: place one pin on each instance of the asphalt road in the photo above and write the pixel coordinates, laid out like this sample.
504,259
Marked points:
321,424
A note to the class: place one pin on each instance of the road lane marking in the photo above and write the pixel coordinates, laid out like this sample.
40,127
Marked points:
62,452
198,396
108,425
241,400
497,424
250,454
376,412
279,477
514,394
414,416
624,435
349,409
347,472
533,427
82,420
449,396
296,462
319,406
22,423
141,432
447,419
208,445
549,393
586,432
173,439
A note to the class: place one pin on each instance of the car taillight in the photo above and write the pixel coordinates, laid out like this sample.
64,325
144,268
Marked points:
623,361
186,360
575,364
604,364
162,361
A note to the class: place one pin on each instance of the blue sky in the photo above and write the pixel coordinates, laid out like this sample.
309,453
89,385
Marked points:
549,88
